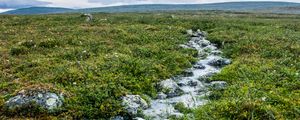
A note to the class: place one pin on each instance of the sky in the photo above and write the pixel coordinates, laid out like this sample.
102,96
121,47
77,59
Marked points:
6,5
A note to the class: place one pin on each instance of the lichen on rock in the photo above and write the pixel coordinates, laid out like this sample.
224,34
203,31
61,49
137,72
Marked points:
42,99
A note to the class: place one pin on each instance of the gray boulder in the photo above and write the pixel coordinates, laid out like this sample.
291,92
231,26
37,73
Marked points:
133,103
46,100
89,17
170,88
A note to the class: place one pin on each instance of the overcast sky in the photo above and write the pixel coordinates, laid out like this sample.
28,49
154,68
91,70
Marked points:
13,4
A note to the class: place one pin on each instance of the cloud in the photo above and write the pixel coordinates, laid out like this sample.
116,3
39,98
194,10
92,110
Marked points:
72,3
8,4
4,10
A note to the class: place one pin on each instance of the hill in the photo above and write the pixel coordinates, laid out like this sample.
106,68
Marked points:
269,7
39,10
229,6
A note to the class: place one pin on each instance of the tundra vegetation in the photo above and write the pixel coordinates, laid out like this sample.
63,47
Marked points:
93,64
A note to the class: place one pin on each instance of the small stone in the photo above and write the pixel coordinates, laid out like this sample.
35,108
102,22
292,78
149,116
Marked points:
204,43
138,118
161,96
264,98
51,102
193,83
189,32
199,33
219,62
181,83
216,52
173,16
40,95
199,66
184,46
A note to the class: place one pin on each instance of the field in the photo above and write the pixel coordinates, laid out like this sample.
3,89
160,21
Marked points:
95,63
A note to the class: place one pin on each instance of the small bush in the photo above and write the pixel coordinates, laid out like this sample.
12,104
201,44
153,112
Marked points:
18,50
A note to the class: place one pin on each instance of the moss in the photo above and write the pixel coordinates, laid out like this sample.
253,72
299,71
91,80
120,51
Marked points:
182,108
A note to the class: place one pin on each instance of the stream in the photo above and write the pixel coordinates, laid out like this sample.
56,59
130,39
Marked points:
188,89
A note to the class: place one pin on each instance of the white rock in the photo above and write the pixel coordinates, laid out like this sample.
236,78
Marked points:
189,32
45,100
50,101
133,103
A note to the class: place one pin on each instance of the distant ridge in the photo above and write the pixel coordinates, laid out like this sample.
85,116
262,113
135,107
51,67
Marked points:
38,10
269,7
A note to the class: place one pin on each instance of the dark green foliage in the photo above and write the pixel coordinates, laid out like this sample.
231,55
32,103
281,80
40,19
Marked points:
181,108
18,50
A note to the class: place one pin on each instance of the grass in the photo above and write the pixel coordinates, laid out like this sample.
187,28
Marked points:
96,63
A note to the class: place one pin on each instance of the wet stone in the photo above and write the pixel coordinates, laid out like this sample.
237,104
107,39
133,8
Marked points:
133,103
161,96
184,46
138,118
204,43
193,83
216,52
181,83
219,62
199,66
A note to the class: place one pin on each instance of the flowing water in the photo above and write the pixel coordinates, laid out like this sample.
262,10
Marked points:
193,89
